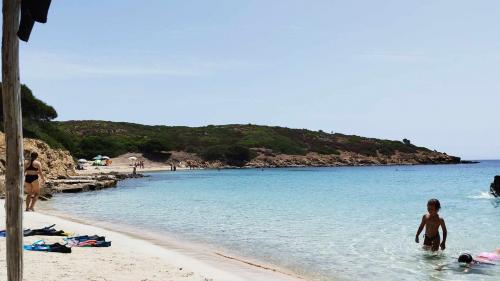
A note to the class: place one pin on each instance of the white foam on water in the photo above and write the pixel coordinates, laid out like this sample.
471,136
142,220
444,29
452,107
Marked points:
482,195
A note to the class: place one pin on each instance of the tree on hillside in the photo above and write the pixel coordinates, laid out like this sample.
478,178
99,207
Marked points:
235,155
36,121
407,141
154,146
32,108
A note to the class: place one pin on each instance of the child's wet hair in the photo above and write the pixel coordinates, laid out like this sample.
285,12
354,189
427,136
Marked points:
467,258
435,203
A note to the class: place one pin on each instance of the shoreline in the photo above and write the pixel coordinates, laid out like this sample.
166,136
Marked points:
122,164
98,170
101,177
172,259
217,257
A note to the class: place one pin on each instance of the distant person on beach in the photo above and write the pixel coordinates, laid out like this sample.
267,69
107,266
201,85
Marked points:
431,221
32,173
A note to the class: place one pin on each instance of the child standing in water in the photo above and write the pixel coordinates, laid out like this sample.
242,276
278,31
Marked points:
431,221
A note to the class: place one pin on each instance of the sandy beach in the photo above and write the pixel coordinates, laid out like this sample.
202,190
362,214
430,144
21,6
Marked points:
129,258
122,164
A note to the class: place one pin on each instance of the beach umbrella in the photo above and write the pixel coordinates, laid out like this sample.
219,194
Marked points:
132,158
82,161
105,157
98,157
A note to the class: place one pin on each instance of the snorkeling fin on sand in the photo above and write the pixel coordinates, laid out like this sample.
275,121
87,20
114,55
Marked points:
47,231
26,232
37,246
40,246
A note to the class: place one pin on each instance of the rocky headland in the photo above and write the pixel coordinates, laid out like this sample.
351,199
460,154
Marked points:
59,170
265,158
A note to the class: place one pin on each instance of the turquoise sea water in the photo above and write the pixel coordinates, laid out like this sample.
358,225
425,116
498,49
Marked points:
347,223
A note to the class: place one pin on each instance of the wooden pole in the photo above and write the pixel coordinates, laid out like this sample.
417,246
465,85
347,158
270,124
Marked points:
11,92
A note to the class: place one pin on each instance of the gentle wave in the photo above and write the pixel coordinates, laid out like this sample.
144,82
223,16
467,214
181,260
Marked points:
482,195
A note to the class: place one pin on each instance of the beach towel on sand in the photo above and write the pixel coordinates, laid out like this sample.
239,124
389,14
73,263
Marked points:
88,241
87,237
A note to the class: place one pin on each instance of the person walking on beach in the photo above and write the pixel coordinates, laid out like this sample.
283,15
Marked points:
32,173
431,221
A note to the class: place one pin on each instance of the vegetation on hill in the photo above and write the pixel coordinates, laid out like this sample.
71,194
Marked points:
32,108
228,143
37,116
231,144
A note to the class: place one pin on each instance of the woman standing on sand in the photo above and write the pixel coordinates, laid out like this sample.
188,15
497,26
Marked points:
32,170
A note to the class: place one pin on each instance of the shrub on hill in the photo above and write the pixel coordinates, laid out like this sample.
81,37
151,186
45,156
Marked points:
154,146
235,155
272,138
92,146
49,133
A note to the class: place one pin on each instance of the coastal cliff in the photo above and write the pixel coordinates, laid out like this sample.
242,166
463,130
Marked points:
56,163
346,158
266,159
59,170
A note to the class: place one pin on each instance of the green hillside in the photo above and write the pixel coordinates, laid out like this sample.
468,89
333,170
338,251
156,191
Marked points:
231,144
217,142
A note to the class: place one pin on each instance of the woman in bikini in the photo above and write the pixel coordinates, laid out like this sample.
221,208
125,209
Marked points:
32,171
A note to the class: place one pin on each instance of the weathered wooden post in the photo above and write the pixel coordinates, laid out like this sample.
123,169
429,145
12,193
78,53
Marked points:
11,93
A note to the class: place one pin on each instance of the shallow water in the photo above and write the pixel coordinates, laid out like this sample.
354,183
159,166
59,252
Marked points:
348,223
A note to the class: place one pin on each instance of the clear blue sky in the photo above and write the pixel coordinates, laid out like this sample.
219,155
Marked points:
426,70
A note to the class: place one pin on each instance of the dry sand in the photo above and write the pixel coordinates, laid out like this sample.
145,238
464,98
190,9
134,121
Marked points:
122,164
129,258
